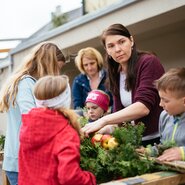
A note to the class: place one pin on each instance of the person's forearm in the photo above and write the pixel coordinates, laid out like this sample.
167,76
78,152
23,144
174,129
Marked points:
135,111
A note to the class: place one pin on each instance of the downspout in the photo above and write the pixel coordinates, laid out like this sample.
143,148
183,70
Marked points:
11,64
84,7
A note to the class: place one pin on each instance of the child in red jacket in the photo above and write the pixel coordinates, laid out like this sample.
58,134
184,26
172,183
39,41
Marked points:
49,138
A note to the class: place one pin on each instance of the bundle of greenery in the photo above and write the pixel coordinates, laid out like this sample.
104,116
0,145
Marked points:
119,160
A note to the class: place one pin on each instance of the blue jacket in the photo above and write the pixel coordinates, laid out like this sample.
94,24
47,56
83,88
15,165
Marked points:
170,131
81,88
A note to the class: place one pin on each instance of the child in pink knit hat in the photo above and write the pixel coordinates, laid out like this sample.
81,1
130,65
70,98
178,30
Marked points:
97,104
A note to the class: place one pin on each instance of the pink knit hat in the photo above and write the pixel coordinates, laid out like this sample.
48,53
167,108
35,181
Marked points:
99,98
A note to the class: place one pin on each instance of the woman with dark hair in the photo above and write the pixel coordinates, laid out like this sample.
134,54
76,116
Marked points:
131,76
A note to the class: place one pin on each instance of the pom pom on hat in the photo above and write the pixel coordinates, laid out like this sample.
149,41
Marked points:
99,98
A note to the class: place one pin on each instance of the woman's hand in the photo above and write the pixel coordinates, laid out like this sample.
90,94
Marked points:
93,126
172,154
107,129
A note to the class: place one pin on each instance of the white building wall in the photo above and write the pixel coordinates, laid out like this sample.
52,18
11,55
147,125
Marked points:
156,25
169,46
91,6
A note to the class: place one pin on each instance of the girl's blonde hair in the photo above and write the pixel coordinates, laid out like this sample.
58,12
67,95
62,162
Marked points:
91,53
41,62
49,87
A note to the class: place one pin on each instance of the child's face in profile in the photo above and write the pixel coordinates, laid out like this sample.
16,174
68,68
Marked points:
171,103
94,112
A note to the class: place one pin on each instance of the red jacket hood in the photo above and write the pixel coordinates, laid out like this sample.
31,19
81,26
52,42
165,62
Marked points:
40,125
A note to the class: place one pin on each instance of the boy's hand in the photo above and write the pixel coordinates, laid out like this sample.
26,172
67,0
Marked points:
171,154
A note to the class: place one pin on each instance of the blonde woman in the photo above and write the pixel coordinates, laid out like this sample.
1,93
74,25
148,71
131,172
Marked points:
50,138
16,98
89,62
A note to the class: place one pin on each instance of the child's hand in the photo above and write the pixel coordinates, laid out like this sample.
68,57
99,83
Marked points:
171,154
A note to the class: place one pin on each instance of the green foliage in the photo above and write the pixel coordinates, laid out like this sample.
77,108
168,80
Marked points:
158,149
122,161
129,134
58,20
2,142
83,121
167,144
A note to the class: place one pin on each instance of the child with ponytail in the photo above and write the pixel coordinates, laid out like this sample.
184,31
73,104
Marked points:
50,138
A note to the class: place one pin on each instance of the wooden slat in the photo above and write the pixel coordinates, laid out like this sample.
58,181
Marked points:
5,50
157,178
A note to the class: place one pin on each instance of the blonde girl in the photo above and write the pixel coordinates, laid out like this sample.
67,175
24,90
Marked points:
49,138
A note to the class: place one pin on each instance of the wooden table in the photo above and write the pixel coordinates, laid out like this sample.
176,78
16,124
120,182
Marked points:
158,178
